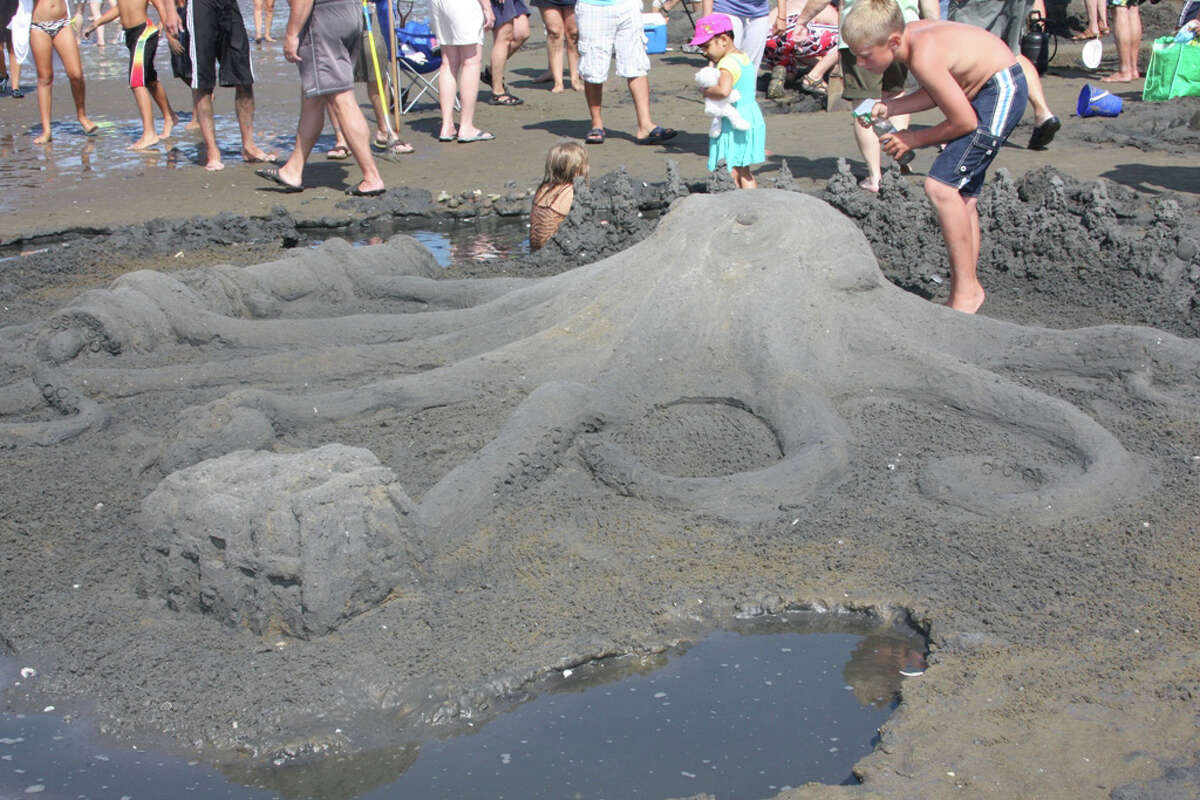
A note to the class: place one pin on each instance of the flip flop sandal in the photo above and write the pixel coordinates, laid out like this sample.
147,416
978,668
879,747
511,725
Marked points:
272,174
595,136
658,135
505,99
338,152
1044,134
482,136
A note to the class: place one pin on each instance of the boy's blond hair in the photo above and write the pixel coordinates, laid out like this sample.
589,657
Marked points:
566,160
871,22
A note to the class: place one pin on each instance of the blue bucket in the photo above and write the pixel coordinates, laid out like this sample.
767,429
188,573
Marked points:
1095,102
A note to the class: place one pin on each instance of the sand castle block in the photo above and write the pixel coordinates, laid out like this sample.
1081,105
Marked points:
293,544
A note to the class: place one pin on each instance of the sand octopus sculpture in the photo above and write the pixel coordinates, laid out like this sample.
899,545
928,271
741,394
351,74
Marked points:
762,309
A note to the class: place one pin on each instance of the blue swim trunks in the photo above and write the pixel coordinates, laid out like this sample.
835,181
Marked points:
998,106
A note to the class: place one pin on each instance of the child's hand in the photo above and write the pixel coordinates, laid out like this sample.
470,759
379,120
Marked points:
896,144
175,45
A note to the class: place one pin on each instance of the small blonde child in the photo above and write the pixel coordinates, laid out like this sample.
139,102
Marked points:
566,161
739,149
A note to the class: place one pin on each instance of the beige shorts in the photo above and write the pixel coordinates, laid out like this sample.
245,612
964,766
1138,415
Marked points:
457,22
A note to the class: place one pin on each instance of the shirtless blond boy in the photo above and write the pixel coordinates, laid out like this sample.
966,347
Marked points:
975,80
141,37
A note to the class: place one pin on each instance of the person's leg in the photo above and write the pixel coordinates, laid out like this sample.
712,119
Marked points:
357,133
340,148
1037,96
959,219
743,178
593,93
268,15
141,97
1127,30
639,89
202,114
824,64
67,47
468,90
244,106
258,13
42,48
555,35
448,87
14,71
170,118
571,45
312,120
501,39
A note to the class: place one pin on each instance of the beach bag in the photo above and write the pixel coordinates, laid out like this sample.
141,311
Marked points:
1174,70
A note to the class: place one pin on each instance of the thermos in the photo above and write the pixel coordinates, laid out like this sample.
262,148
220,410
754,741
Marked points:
1035,43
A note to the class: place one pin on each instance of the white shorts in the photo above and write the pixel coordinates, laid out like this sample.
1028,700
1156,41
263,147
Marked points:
750,36
604,30
457,22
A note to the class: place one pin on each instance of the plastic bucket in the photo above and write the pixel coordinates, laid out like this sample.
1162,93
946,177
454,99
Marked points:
1095,102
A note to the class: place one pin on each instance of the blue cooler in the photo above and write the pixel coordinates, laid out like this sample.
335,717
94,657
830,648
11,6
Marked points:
656,33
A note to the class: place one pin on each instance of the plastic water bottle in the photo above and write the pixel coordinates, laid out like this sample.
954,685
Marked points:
1188,32
883,127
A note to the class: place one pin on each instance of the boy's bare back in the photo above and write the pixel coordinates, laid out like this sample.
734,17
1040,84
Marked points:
970,54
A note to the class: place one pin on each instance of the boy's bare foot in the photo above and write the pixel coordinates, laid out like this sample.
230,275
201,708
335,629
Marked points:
268,38
45,138
214,165
192,125
145,143
89,127
169,123
258,156
557,89
1120,77
869,185
967,301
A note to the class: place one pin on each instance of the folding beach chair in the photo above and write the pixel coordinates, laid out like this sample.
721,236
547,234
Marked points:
418,55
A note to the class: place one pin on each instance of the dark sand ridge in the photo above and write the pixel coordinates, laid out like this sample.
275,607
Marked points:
1062,645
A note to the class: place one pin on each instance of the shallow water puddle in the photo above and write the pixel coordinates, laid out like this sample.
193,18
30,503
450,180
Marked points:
450,242
745,712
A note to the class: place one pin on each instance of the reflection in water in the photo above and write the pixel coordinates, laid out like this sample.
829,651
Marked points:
742,713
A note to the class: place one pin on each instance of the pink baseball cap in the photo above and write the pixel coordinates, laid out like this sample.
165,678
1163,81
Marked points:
709,26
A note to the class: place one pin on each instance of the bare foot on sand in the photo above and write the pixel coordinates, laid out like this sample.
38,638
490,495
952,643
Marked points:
967,300
145,143
214,164
1120,77
558,88
258,156
45,138
869,185
192,125
168,125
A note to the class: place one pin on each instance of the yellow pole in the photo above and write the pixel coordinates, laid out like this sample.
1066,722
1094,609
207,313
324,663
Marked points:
378,72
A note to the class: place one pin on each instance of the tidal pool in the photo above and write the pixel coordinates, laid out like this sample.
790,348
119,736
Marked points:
745,712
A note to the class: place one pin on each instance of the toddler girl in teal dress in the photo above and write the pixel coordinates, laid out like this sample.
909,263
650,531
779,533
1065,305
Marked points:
739,149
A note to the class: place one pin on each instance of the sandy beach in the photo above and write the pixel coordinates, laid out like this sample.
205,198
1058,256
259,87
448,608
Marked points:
610,447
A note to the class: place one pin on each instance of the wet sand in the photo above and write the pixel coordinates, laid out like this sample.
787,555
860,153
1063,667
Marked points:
1064,651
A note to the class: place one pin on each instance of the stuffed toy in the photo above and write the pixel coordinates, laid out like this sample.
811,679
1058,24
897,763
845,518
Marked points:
718,109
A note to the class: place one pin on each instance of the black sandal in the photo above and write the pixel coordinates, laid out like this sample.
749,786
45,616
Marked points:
505,99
